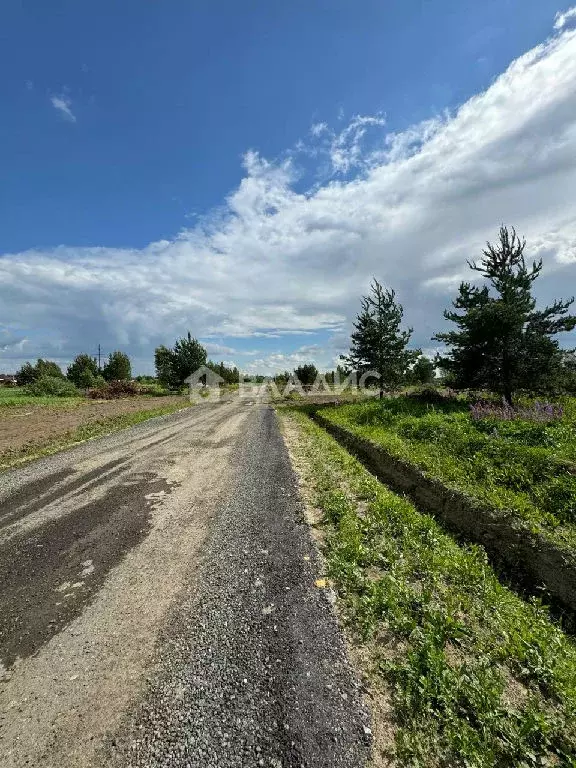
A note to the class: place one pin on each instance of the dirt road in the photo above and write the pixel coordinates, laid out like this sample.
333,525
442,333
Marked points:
158,605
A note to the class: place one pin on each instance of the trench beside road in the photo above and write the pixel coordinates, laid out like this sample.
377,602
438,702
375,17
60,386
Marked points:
158,605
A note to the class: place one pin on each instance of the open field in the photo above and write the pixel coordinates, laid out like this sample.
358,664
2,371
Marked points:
527,468
39,426
462,671
14,397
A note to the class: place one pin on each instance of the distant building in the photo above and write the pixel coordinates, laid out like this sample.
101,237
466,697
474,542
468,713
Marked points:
7,380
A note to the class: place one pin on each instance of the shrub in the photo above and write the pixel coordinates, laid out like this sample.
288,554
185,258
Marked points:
153,390
429,396
114,390
54,386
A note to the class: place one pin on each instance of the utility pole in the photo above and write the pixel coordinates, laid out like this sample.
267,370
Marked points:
99,356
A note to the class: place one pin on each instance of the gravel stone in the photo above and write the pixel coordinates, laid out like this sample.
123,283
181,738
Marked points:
253,667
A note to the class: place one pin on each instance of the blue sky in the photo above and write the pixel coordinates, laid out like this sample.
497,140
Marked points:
242,169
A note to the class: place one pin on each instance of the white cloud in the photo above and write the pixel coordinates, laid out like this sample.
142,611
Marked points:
63,104
565,19
275,262
219,349
317,129
344,149
278,362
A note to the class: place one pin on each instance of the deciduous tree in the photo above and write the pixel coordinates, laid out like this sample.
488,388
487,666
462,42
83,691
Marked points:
83,371
118,367
423,371
176,364
306,374
29,373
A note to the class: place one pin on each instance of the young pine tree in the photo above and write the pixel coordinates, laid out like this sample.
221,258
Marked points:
378,343
502,342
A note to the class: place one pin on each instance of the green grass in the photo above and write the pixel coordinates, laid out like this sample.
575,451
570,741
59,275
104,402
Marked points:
478,677
37,449
11,397
525,468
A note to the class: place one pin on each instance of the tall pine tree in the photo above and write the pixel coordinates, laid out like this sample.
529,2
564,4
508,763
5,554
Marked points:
378,343
502,342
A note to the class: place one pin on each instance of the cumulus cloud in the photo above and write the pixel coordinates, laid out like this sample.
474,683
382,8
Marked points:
274,261
346,149
64,105
317,129
268,365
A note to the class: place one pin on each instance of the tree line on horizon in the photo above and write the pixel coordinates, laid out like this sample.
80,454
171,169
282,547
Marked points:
82,373
173,365
501,342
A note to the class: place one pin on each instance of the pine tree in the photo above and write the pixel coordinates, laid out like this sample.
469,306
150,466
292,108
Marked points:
378,343
502,342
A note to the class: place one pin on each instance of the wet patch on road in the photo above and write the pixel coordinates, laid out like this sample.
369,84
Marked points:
40,493
30,492
49,574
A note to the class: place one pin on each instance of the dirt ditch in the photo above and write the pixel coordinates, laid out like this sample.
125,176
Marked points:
531,560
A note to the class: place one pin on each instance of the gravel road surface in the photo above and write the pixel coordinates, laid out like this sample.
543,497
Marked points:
158,605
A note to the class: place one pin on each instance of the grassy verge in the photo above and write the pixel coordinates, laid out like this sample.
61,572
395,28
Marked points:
477,677
37,449
527,469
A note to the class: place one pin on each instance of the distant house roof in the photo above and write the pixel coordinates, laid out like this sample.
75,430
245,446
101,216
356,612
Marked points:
7,377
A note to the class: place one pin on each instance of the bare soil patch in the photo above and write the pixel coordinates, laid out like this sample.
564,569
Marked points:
35,423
